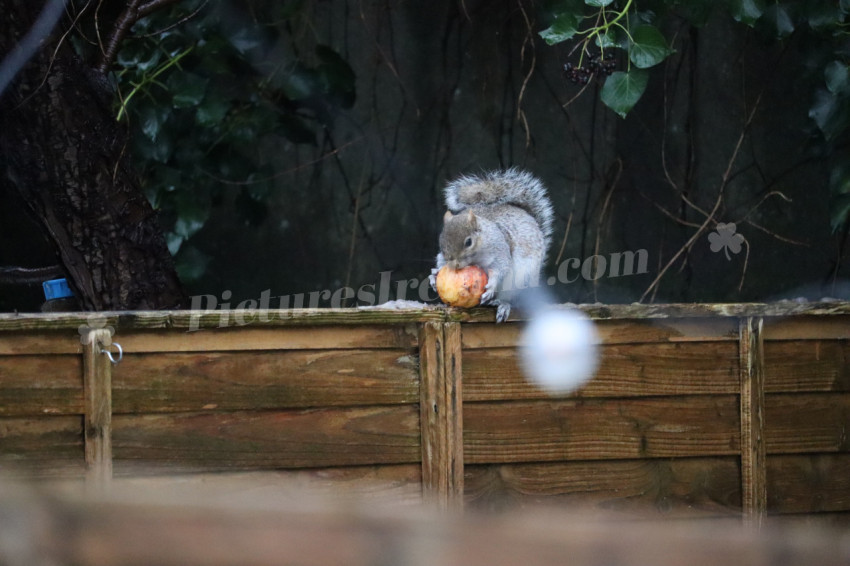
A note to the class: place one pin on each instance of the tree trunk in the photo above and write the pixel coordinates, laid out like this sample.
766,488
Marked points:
64,152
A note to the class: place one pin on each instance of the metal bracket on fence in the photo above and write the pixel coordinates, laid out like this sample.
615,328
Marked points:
109,354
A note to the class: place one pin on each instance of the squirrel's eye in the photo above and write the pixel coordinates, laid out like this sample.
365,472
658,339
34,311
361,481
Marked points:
467,243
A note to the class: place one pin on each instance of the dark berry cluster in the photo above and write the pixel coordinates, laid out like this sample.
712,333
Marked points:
596,66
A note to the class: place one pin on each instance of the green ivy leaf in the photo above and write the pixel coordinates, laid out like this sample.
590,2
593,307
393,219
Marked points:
648,47
839,212
337,75
212,110
191,263
607,40
151,117
295,130
829,113
188,89
746,11
823,15
837,77
598,3
563,28
621,91
697,12
778,21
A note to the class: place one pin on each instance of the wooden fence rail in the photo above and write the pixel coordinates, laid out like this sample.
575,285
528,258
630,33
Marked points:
696,410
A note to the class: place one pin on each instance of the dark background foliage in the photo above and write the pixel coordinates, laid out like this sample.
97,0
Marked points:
301,146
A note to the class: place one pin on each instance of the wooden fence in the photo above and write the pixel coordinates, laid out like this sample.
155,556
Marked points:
696,410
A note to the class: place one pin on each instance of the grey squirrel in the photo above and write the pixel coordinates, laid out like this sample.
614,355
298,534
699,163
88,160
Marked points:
500,221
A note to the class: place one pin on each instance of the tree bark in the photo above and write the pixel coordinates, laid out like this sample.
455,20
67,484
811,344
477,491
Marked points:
64,152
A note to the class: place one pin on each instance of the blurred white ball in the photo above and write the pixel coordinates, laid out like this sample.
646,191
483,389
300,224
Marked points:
558,350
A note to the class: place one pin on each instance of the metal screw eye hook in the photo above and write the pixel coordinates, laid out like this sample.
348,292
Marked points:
109,354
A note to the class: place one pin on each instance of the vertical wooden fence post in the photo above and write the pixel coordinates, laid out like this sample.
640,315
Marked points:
753,456
97,383
441,414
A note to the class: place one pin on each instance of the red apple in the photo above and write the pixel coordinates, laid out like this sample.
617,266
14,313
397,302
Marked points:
462,287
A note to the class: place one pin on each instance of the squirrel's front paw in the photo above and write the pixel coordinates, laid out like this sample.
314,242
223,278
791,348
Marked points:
489,294
502,312
432,279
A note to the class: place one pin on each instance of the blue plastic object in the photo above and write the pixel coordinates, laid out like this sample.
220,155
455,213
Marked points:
56,289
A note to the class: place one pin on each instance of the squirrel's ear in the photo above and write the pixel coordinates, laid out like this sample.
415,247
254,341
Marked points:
448,216
473,221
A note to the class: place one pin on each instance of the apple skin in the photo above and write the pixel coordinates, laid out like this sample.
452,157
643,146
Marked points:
462,287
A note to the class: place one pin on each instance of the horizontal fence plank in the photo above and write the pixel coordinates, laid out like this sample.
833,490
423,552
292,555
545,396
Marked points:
807,328
41,343
395,314
682,487
395,484
807,422
808,483
145,383
160,530
626,370
809,365
267,439
251,338
42,447
220,318
601,429
41,384
615,332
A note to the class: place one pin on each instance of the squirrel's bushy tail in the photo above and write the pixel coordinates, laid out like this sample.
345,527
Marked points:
511,187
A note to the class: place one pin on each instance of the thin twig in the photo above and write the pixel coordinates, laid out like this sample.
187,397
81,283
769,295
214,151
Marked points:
775,235
179,22
710,218
527,41
612,186
746,262
667,213
133,13
567,229
354,221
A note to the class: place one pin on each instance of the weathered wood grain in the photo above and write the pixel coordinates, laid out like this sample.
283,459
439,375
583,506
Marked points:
47,446
682,487
601,429
195,381
615,332
41,385
399,484
194,319
809,365
441,414
807,327
626,370
97,422
286,338
809,483
674,310
807,422
267,439
184,319
753,455
162,530
41,343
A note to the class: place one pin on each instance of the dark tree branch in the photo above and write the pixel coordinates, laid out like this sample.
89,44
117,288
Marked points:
133,13
64,156
13,275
